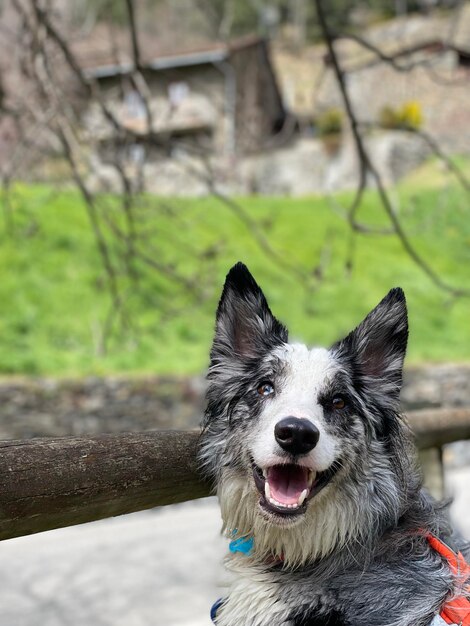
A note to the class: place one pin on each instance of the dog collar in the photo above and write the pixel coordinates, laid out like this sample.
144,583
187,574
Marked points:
456,610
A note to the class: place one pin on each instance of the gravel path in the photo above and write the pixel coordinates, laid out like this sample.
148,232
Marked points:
156,568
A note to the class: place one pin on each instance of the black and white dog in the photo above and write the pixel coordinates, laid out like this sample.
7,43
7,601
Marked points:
315,470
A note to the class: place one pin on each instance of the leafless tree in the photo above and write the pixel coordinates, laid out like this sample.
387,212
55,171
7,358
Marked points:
367,168
47,118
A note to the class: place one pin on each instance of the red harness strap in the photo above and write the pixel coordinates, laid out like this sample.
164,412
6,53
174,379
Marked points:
457,609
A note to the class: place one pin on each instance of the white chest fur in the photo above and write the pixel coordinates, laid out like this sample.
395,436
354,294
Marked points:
253,598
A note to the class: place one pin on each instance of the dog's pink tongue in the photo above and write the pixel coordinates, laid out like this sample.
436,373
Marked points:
287,482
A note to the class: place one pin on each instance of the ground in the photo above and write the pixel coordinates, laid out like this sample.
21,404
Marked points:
155,568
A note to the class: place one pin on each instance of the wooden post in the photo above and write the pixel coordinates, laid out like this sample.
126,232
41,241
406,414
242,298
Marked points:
432,467
433,428
51,483
56,482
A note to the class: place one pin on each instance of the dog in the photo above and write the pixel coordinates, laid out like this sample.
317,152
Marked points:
315,472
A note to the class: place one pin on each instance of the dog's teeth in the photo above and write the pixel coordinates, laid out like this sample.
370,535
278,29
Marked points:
302,497
311,478
265,474
280,505
267,490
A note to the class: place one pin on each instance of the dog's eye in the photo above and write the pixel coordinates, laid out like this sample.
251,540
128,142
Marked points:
265,389
338,403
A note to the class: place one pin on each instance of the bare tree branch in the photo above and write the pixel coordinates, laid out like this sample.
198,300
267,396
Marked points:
366,165
436,149
403,53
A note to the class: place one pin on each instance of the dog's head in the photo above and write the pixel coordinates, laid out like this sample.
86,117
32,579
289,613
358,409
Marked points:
302,443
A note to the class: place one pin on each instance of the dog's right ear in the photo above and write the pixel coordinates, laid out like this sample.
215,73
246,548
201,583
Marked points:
245,326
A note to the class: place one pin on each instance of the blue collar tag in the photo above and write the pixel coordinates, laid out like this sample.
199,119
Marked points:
243,545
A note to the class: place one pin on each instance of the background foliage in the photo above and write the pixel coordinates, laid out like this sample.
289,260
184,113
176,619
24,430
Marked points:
53,300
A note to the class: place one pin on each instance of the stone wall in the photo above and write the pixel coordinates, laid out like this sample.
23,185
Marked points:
304,166
310,165
435,386
51,407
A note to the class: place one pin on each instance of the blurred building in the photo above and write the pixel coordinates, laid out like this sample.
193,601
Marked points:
220,99
242,115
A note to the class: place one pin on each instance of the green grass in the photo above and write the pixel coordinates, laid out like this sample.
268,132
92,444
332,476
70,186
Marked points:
53,296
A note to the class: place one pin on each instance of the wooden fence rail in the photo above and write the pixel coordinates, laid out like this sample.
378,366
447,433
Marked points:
56,482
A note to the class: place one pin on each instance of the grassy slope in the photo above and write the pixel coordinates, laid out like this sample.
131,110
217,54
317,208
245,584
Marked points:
53,301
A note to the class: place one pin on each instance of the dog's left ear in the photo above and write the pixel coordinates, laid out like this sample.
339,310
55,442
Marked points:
376,349
245,326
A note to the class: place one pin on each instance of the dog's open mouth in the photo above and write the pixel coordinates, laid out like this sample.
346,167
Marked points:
286,489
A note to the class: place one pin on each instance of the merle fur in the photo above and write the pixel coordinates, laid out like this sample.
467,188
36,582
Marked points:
387,576
246,331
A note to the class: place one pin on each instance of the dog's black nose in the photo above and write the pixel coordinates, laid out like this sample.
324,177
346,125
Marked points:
296,436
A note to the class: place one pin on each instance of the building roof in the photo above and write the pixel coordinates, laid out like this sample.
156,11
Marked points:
102,56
